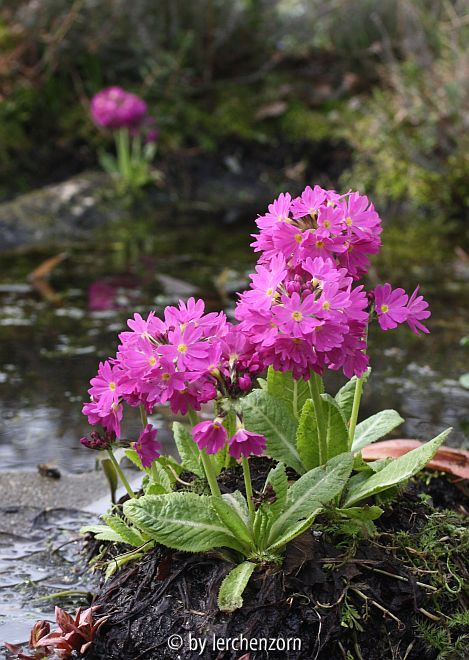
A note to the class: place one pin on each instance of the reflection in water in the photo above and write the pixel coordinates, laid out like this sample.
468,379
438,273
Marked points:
49,352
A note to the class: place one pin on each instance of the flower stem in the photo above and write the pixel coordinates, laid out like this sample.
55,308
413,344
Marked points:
319,412
143,416
123,154
210,474
248,485
193,416
122,477
355,408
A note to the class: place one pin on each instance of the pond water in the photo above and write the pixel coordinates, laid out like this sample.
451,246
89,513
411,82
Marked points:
51,336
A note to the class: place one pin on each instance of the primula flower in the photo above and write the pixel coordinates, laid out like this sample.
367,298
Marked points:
210,436
246,443
390,306
294,316
104,389
417,310
113,107
147,447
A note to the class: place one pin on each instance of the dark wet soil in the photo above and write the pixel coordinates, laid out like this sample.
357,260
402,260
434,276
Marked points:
336,595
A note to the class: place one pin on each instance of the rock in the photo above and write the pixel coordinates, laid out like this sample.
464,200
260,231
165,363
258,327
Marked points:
58,213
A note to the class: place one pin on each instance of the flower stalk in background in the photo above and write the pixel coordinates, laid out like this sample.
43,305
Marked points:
135,136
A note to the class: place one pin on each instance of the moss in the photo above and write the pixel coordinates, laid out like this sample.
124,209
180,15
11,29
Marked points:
300,123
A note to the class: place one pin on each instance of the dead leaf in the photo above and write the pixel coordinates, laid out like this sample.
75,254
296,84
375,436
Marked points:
446,459
46,267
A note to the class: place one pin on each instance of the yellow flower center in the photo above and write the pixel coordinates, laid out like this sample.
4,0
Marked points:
297,316
385,308
152,361
326,224
348,221
165,377
315,281
326,305
319,244
216,425
112,387
298,238
182,348
270,291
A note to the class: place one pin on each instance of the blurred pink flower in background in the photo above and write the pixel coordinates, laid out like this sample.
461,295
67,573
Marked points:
113,107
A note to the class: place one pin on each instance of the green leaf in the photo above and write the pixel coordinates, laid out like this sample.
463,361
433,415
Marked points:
233,586
336,430
119,561
155,489
188,450
395,472
307,440
277,478
237,501
282,385
375,427
233,521
294,530
184,521
161,477
130,536
263,413
134,458
102,533
111,476
310,492
344,396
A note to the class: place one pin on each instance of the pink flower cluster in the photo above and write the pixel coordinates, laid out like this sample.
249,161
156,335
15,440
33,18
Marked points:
320,223
305,311
185,360
115,108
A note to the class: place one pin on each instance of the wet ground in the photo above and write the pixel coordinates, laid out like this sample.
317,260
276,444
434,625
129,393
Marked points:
54,330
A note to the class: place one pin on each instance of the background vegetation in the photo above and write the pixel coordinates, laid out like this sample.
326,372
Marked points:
388,80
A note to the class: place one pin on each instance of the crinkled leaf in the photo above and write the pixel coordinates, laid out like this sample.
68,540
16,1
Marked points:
277,478
310,492
265,414
161,477
128,534
375,427
337,439
292,531
232,588
188,450
282,385
394,472
102,533
307,440
184,521
238,502
232,520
